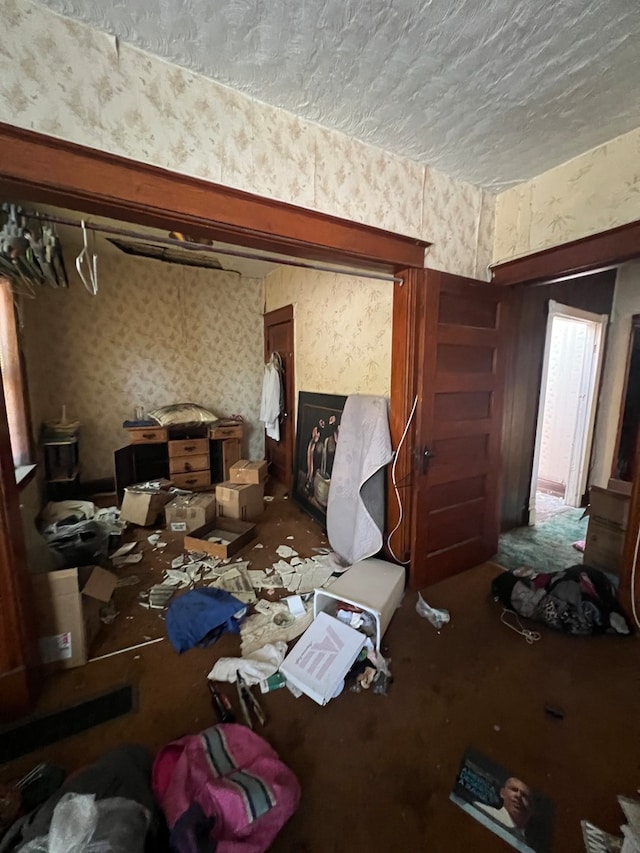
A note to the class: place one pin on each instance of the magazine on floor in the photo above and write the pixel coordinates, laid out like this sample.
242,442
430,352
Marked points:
504,802
598,841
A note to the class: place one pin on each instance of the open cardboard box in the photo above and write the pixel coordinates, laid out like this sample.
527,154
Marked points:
142,504
188,512
232,535
67,603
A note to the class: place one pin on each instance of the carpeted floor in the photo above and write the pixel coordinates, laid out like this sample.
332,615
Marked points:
376,771
545,547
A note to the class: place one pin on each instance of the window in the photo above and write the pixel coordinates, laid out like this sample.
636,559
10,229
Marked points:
12,380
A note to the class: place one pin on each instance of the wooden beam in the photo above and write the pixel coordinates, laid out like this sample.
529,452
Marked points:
588,254
41,168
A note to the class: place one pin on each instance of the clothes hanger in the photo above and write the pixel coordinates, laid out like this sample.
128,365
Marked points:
91,280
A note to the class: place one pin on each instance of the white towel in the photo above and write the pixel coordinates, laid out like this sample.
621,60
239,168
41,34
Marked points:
270,403
356,506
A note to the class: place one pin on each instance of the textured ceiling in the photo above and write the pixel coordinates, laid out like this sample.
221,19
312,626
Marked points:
490,91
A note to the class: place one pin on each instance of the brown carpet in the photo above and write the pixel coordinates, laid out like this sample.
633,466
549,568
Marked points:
376,771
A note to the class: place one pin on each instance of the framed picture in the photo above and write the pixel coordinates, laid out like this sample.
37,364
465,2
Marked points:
317,432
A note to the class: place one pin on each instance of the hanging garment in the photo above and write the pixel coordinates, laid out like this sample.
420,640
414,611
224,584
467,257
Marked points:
355,510
271,398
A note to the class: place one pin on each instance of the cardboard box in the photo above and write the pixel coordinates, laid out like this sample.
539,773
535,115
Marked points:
188,512
321,658
67,604
222,538
604,545
609,505
372,585
244,471
142,504
240,500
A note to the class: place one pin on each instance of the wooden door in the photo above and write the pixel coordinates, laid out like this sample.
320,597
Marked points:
278,337
458,426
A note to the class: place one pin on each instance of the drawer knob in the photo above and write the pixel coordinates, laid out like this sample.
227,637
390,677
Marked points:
189,448
148,435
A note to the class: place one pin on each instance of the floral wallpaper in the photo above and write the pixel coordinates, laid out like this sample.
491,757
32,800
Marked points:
342,329
66,79
155,334
594,192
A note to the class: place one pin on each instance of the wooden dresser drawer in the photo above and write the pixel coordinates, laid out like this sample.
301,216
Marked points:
147,435
226,432
188,464
195,480
189,447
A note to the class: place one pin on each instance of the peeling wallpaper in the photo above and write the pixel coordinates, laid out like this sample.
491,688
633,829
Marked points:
342,330
68,80
594,192
626,303
155,334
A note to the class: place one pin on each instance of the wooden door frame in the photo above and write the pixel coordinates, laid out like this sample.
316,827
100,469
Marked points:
285,315
39,168
591,254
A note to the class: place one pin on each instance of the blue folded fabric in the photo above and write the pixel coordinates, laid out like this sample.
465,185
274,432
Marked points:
200,616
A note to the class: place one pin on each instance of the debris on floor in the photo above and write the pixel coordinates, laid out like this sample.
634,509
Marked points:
285,551
200,616
254,668
437,616
270,624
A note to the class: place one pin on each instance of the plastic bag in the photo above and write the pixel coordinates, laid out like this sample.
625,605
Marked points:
437,617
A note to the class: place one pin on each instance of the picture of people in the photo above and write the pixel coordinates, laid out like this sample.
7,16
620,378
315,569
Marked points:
504,803
317,437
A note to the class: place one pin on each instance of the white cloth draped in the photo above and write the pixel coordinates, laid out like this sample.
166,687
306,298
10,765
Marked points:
356,505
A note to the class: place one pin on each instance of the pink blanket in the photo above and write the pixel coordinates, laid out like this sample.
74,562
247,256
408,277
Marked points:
234,777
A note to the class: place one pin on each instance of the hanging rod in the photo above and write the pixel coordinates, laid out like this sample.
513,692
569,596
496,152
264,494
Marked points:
171,241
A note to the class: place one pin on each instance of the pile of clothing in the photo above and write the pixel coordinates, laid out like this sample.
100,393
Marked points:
219,791
577,600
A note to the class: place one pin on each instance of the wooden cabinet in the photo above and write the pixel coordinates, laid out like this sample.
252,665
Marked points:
192,462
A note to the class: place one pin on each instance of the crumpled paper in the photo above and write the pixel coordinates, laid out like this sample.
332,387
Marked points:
256,667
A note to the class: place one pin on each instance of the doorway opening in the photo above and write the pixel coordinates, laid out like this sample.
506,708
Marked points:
571,371
555,523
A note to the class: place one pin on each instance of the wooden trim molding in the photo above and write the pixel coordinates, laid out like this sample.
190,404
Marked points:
588,254
35,167
18,659
407,300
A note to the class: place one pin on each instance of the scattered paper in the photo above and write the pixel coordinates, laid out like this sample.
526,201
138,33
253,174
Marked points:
129,581
175,577
295,605
124,549
177,562
259,545
262,627
237,582
126,560
290,537
159,595
285,551
153,539
269,498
